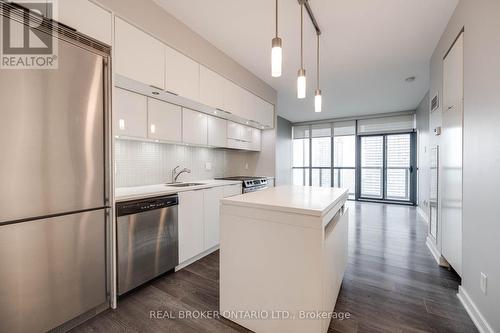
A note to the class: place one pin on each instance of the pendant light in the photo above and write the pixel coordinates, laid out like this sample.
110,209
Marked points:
276,51
317,96
301,79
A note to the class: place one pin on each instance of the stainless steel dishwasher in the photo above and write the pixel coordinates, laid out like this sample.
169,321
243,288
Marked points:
147,240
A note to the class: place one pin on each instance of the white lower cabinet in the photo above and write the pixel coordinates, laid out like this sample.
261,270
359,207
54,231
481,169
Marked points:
191,229
199,219
131,114
164,121
211,209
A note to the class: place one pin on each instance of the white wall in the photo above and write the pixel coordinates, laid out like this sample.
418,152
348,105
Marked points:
422,116
283,152
481,178
147,163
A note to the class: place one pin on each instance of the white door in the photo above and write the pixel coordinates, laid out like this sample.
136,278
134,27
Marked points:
194,127
139,56
131,114
451,156
164,121
211,88
191,229
211,206
182,75
217,128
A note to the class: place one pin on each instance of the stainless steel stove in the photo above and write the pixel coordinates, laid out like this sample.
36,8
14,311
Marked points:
250,184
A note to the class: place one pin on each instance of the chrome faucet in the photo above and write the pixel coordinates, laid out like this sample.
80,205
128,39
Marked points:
176,174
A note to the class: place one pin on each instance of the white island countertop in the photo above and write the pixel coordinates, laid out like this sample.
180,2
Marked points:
148,191
305,200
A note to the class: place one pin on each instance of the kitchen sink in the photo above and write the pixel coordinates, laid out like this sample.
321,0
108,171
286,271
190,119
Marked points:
184,184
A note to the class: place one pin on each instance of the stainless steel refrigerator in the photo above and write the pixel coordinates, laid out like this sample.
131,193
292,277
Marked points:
54,187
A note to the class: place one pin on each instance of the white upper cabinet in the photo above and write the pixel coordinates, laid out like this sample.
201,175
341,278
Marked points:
264,112
233,98
217,128
182,75
139,56
87,18
211,88
131,114
194,127
164,121
256,143
250,106
239,132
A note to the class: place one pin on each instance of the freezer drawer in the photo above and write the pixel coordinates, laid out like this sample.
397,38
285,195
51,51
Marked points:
52,137
147,246
51,271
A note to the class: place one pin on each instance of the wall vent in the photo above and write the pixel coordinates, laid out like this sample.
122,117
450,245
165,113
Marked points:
435,102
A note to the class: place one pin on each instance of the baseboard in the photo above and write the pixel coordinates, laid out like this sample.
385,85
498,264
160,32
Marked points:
435,253
471,308
423,214
196,258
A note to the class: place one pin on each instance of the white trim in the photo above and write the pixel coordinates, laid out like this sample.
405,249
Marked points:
471,308
435,253
422,213
196,258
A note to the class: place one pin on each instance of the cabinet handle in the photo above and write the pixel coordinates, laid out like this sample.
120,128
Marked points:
221,110
155,87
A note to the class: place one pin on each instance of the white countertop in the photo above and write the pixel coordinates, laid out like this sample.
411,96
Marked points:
308,200
141,192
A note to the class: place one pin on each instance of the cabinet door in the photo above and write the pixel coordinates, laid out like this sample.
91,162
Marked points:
233,98
131,115
182,75
194,127
246,133
87,18
164,121
217,128
191,233
250,106
264,112
211,88
256,140
234,130
211,206
232,190
138,55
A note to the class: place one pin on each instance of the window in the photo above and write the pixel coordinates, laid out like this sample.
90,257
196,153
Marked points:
331,150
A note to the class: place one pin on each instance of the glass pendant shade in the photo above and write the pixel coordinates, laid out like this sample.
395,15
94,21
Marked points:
301,84
276,57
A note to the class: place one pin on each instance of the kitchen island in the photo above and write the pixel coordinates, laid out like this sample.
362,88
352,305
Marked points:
283,254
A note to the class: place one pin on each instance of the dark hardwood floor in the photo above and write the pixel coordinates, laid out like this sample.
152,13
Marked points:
392,284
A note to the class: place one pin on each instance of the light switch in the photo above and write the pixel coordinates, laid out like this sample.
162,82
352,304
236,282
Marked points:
208,166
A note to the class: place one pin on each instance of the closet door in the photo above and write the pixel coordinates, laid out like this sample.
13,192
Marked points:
451,156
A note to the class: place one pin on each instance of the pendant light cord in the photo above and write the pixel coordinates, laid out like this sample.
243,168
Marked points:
317,62
276,18
302,35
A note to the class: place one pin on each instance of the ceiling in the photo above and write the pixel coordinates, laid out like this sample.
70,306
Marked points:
368,49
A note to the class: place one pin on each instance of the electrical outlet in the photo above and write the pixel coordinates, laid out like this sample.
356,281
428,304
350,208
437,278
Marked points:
208,166
483,284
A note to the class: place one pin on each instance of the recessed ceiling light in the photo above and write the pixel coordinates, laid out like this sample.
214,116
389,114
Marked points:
410,79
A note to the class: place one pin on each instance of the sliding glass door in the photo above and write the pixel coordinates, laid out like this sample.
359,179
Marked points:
386,170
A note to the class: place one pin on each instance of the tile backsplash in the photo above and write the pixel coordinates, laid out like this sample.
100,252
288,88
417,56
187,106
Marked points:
147,163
